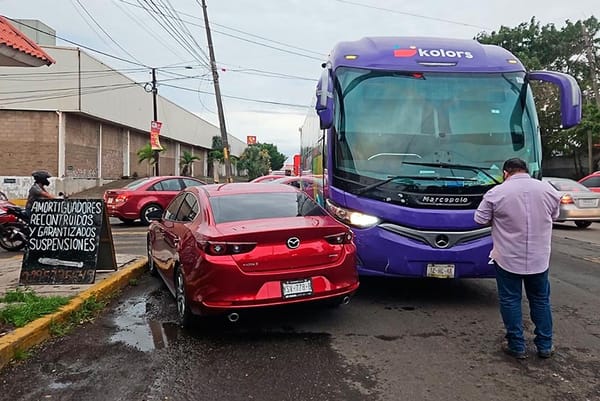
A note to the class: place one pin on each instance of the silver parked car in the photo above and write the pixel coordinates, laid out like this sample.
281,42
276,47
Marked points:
577,203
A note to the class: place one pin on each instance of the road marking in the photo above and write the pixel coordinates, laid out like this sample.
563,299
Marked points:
594,260
128,232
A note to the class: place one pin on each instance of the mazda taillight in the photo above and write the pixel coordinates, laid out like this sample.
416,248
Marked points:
338,239
228,248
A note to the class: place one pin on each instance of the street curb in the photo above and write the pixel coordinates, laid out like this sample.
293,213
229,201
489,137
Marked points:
38,331
19,202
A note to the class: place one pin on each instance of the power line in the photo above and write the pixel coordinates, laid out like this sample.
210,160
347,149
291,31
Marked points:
105,71
240,98
78,44
144,27
172,30
104,31
414,14
132,83
248,40
103,39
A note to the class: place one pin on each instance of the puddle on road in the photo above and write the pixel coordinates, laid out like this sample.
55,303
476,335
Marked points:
59,386
135,330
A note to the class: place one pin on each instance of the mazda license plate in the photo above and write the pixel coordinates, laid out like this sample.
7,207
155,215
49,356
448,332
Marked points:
440,270
296,288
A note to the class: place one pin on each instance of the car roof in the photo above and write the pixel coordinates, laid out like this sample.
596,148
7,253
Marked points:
237,188
557,179
295,178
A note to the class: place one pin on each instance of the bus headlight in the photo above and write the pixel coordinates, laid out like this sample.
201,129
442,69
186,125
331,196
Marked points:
351,217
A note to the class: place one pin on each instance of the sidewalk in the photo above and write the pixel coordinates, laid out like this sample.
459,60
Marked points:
106,284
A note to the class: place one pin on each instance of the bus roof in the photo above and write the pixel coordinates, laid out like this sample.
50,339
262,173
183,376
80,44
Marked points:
424,54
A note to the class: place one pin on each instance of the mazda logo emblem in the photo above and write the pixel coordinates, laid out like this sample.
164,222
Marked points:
293,242
442,241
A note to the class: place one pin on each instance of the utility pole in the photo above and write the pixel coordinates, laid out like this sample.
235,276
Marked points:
591,57
215,74
156,153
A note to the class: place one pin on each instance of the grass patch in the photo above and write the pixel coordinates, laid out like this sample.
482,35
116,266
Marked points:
89,309
24,306
21,355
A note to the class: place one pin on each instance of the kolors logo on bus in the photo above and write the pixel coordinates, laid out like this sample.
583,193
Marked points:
413,51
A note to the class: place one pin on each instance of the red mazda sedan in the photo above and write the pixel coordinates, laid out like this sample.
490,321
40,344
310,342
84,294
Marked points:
141,197
224,248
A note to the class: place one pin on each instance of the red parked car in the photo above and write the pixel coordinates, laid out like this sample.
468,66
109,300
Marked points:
146,195
224,248
591,181
267,178
313,186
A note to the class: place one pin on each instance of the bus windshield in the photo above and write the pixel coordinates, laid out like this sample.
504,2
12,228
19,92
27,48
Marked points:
430,131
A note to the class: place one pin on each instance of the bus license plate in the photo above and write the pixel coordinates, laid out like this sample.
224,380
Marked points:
296,288
440,270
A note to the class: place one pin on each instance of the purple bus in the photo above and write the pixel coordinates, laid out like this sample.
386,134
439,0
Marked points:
409,133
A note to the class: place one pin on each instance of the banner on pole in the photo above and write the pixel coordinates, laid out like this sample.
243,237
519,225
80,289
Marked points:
154,135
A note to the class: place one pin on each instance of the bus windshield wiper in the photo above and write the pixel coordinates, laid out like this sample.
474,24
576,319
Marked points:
459,166
411,177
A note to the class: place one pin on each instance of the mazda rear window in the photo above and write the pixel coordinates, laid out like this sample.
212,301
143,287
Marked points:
263,206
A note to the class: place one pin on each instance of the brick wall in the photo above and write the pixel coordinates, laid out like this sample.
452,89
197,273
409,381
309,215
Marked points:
138,140
82,144
29,141
167,157
112,151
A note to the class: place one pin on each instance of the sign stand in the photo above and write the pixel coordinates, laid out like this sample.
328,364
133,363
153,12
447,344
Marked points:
106,248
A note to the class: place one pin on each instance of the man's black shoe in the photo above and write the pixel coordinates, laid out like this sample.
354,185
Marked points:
545,354
513,353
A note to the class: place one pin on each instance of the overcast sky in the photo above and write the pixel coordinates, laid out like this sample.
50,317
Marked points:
269,52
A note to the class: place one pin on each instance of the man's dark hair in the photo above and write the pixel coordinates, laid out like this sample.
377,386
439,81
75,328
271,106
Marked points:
515,165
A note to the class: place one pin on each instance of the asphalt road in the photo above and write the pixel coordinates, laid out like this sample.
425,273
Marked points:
397,340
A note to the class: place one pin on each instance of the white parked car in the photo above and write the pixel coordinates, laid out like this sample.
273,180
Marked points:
577,203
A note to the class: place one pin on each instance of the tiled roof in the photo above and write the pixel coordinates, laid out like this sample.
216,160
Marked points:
12,37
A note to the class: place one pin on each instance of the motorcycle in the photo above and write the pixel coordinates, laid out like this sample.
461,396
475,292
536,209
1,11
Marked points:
14,230
14,224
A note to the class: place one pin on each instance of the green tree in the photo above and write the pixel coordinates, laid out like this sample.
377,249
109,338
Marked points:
255,160
277,159
145,153
185,162
565,49
215,154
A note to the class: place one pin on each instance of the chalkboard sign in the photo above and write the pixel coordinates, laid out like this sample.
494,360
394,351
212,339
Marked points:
65,241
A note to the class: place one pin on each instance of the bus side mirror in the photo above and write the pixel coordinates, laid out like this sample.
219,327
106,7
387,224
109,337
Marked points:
324,105
570,95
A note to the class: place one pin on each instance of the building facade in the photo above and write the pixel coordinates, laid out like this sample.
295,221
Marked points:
85,122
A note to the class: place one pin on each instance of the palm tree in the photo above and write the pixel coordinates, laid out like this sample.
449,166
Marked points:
185,162
146,154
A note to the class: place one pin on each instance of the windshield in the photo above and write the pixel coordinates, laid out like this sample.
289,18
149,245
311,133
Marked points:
440,132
